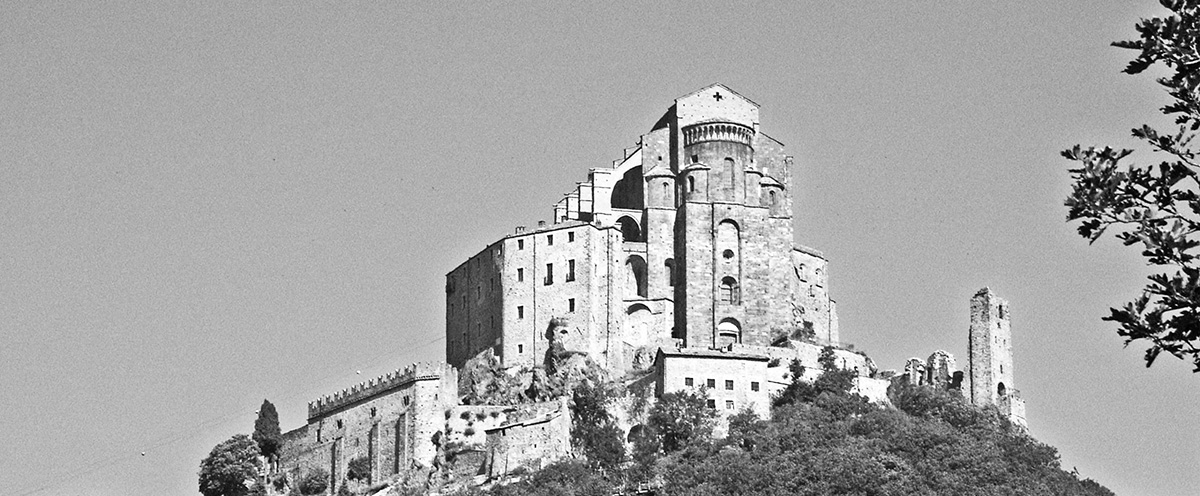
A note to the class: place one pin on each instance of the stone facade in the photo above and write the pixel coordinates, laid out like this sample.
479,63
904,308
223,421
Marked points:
391,420
676,264
686,241
732,381
991,360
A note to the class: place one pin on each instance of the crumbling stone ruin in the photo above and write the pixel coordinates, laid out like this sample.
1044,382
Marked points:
674,268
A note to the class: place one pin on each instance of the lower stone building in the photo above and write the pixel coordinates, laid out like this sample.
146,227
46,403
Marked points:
394,421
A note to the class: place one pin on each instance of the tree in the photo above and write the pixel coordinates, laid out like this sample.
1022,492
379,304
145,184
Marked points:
229,467
266,430
681,418
1156,206
593,429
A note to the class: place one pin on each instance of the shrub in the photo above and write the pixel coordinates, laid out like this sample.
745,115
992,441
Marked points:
315,482
359,468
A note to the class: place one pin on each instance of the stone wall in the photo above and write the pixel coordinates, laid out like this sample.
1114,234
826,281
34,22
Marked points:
391,420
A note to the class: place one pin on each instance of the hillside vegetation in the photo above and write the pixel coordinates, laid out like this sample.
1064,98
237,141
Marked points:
823,440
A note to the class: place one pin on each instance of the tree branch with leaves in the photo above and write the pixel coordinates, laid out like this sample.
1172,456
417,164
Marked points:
1156,207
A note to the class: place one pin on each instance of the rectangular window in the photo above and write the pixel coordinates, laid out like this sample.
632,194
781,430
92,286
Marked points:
521,314
549,240
492,284
549,274
712,404
712,383
520,348
689,382
520,244
729,404
520,275
729,385
571,305
571,237
570,270
754,386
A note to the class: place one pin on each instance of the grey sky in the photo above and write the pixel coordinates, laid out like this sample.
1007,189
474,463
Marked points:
206,204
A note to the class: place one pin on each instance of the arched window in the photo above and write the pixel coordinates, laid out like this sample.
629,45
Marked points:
728,332
1001,390
729,173
629,229
771,199
691,184
730,292
670,266
666,193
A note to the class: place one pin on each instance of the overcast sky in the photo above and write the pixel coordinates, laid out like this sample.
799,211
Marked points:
206,204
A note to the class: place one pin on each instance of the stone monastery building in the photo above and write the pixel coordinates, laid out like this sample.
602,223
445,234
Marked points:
679,260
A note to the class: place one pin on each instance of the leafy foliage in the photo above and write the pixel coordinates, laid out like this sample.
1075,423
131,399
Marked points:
832,442
359,468
567,478
227,468
593,429
314,482
1158,206
680,419
266,430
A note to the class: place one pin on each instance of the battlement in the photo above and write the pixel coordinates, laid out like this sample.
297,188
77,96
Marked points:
420,371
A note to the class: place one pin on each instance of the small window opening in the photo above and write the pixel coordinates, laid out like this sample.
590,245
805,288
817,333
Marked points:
691,184
570,270
729,404
520,275
729,385
712,383
549,274
520,348
730,293
695,159
689,382
711,404
550,240
571,237
520,244
571,304
754,386
728,254
520,311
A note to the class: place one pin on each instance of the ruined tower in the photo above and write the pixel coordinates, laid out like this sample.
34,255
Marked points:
991,363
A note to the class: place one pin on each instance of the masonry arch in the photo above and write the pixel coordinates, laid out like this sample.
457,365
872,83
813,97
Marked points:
629,191
630,231
635,268
638,323
729,331
636,433
1001,391
729,291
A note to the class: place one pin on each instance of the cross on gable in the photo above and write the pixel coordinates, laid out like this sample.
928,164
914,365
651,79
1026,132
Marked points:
718,96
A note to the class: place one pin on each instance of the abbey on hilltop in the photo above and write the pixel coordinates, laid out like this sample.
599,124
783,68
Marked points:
673,268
